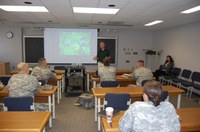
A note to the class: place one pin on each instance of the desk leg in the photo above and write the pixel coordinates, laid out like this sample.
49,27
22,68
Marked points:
179,101
95,109
44,129
88,82
49,103
94,84
54,108
60,84
63,83
99,109
58,93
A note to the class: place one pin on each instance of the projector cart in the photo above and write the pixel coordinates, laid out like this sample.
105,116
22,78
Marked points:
75,80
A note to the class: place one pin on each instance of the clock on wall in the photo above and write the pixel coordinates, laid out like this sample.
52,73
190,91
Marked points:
9,34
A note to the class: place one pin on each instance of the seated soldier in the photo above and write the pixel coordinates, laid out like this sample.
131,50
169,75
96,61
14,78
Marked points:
23,84
107,72
150,115
41,71
141,73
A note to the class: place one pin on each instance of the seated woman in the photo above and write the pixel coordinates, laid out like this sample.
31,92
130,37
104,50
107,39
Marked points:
165,69
107,72
152,115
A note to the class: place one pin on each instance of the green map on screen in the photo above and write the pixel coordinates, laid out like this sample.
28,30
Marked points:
74,43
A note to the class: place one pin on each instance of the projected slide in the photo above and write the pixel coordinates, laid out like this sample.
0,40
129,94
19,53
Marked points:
74,43
70,45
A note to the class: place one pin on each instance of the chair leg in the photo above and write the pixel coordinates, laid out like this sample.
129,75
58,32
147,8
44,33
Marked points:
191,89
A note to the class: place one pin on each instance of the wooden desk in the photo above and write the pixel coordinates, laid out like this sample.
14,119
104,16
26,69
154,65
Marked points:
23,121
57,82
13,72
190,120
92,72
122,81
39,98
61,72
100,93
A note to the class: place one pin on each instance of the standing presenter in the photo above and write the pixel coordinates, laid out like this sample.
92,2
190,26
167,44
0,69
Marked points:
102,54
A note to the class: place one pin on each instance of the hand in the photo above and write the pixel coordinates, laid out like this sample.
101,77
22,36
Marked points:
95,58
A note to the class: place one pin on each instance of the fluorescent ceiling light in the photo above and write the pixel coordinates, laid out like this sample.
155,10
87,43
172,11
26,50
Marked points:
95,10
191,10
24,8
153,23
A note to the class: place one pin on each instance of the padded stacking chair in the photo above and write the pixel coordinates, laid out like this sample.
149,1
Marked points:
109,84
196,84
184,77
18,103
174,74
189,84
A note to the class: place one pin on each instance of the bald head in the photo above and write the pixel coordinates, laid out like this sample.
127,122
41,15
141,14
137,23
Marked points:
23,67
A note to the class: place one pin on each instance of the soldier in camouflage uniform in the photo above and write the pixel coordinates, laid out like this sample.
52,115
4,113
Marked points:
41,71
141,73
106,72
23,84
152,115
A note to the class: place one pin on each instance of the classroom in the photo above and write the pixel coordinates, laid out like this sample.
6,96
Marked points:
99,65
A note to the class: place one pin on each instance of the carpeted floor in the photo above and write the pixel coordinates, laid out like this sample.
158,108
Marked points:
70,118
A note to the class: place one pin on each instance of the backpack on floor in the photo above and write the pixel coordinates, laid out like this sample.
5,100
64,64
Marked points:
86,100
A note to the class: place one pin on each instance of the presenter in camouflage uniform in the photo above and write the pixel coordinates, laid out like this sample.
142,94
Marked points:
23,84
141,73
41,71
107,72
152,115
102,54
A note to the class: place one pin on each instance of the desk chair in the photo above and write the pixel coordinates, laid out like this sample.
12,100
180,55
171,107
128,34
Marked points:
109,84
144,81
164,96
59,68
117,101
5,80
18,103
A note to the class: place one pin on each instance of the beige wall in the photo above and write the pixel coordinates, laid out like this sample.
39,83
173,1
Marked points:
182,42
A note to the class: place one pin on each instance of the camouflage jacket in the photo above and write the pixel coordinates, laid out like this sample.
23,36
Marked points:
42,73
141,74
107,73
145,117
23,85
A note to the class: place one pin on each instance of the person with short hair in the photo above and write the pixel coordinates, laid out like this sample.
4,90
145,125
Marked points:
23,84
103,53
151,115
107,72
141,73
41,71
